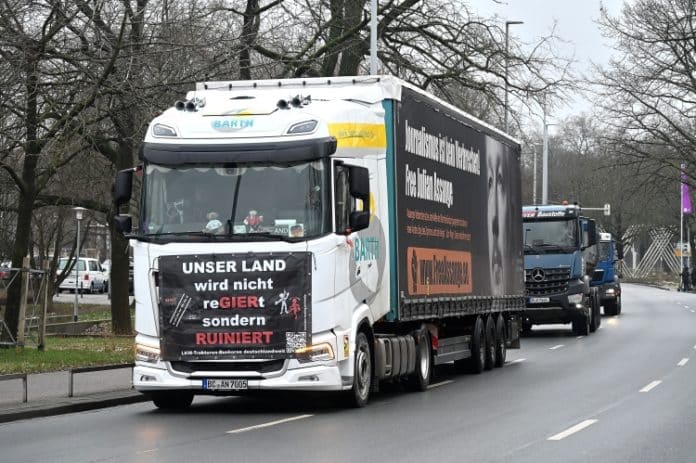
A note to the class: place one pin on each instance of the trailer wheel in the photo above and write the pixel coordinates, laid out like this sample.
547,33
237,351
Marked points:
359,394
477,361
500,342
171,400
490,342
420,379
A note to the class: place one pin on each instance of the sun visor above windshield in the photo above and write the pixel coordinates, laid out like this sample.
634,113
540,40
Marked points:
290,151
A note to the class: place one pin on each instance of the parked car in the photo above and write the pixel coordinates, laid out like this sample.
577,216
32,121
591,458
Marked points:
5,272
90,276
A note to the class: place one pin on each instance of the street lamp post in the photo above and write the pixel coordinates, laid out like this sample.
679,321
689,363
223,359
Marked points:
507,43
78,216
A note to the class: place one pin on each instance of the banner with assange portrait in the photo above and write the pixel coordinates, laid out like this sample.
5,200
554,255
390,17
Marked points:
234,306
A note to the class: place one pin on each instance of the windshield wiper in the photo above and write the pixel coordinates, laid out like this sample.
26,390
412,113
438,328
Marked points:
264,235
185,233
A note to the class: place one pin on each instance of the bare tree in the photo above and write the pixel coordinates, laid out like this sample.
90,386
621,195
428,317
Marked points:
648,92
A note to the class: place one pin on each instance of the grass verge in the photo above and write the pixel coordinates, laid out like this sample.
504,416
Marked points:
62,353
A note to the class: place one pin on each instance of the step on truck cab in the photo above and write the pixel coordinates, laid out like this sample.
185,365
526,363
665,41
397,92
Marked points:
560,255
320,234
606,276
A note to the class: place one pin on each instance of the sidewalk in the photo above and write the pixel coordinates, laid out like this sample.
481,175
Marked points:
48,393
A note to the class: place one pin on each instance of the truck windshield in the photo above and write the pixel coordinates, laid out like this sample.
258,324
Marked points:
550,233
236,201
604,250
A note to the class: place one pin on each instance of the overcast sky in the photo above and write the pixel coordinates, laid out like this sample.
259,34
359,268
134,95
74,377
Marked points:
575,24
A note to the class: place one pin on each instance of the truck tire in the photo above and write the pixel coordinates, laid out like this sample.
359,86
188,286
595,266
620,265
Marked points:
500,342
420,379
359,393
618,305
477,361
596,317
490,343
171,400
581,325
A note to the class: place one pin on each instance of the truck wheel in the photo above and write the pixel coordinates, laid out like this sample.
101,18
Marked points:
581,326
359,394
610,307
490,342
172,400
595,315
420,379
618,305
478,348
500,342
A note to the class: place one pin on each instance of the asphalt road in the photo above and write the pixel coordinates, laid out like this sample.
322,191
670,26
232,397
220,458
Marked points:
624,394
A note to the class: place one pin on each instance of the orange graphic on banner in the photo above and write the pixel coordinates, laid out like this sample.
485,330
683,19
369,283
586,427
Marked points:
438,271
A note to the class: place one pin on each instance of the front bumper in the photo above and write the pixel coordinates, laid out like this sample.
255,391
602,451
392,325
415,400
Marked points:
292,376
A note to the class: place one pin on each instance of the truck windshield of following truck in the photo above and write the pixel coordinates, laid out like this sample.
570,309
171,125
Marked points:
550,236
288,201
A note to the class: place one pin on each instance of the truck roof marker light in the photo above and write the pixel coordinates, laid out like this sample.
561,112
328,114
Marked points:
283,104
180,105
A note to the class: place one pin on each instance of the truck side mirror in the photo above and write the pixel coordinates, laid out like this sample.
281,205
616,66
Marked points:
360,185
123,186
589,233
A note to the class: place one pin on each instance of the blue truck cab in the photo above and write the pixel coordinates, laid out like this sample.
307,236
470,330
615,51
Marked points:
560,255
606,276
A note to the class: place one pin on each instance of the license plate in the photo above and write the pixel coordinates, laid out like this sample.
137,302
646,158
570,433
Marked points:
225,384
538,300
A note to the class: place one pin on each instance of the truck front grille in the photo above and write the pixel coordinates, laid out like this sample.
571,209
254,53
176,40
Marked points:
252,367
546,281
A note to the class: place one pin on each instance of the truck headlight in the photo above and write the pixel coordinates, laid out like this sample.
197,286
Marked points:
147,354
575,298
610,292
316,353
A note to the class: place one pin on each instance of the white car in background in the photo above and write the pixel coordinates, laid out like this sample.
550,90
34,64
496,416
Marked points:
91,277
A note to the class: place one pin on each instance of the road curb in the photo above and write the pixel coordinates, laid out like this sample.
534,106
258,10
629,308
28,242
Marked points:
64,405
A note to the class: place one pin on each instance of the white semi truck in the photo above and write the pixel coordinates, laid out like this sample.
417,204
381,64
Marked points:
320,234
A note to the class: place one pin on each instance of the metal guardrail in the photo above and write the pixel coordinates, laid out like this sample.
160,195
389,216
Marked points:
71,374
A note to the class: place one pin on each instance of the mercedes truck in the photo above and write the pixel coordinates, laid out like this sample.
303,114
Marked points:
560,255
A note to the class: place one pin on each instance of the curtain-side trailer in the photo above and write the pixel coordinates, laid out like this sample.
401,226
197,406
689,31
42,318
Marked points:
321,235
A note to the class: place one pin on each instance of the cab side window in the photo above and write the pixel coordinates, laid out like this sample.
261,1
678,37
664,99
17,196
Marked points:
343,199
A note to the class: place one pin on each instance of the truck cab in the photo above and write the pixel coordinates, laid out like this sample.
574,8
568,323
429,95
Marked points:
559,259
606,276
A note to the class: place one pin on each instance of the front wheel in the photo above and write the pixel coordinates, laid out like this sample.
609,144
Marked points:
500,342
172,400
359,394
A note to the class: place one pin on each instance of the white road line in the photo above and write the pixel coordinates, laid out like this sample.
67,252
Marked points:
572,430
556,347
142,452
693,311
682,362
651,386
441,383
266,425
694,347
522,360
580,337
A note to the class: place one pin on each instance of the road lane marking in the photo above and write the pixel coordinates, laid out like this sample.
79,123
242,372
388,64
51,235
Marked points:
693,311
556,347
694,347
651,386
441,383
580,337
522,360
572,430
271,423
142,452
682,362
